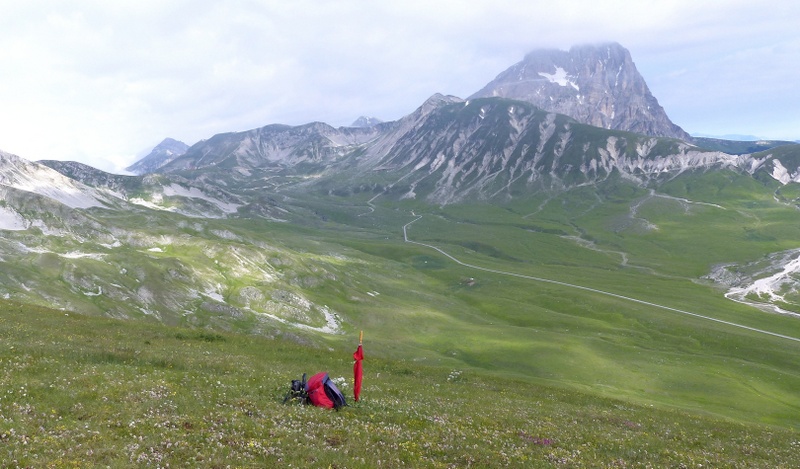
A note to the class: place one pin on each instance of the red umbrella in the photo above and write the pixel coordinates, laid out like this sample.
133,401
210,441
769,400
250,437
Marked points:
358,371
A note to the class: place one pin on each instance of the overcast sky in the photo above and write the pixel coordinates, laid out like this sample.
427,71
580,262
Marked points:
102,82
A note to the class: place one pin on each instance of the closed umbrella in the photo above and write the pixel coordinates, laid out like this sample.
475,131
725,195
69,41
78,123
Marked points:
358,371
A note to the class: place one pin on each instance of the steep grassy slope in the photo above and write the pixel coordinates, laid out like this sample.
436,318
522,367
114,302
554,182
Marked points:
93,392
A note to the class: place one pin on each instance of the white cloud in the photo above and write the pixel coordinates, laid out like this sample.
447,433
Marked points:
101,81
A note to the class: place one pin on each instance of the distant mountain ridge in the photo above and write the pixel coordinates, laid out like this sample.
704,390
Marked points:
450,150
595,85
738,147
162,244
736,137
446,151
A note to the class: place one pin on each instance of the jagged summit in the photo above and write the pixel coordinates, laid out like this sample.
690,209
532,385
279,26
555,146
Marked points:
597,85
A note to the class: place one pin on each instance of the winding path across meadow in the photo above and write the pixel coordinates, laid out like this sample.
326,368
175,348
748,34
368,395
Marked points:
593,290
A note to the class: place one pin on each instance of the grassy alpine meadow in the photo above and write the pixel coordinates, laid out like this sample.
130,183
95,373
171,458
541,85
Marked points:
80,391
574,329
663,334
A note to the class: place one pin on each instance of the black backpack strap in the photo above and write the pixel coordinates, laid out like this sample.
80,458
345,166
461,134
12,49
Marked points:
297,391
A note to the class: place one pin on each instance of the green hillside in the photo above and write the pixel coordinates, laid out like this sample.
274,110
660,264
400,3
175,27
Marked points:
631,315
570,328
81,391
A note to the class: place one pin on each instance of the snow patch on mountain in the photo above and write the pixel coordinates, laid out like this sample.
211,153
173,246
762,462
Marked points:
560,78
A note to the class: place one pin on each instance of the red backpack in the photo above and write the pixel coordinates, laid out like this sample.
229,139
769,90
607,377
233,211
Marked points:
319,390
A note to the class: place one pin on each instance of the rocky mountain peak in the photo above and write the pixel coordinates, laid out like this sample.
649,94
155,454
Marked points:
365,121
161,155
436,101
597,85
